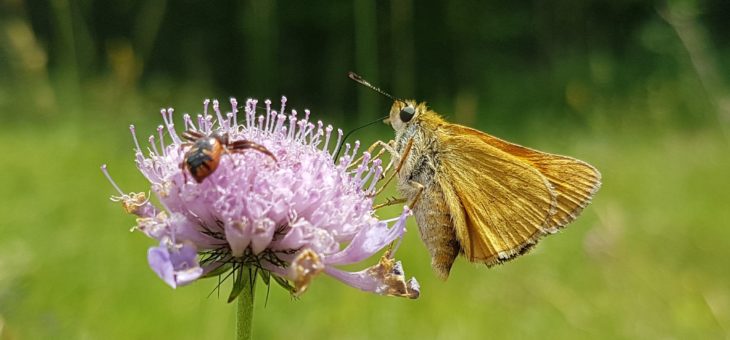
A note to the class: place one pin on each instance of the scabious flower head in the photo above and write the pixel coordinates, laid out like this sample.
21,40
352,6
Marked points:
293,217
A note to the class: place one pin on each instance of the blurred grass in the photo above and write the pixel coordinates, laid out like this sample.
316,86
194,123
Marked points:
646,259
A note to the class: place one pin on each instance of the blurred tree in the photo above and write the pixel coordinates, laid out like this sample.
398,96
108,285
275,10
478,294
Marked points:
563,60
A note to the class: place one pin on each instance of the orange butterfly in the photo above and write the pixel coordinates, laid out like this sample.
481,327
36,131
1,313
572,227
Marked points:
478,195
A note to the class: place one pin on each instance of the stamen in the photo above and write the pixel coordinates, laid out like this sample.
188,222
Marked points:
247,112
354,150
261,123
152,143
162,142
217,110
302,126
320,132
283,105
163,113
271,121
171,128
307,132
234,110
139,160
208,124
206,102
328,133
229,119
251,113
189,125
109,177
201,123
345,155
279,122
364,180
378,172
363,164
268,112
134,136
339,140
292,122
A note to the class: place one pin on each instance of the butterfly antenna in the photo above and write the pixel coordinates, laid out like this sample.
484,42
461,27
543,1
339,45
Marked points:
339,147
360,80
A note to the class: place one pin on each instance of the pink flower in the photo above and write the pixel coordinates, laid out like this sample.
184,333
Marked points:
293,217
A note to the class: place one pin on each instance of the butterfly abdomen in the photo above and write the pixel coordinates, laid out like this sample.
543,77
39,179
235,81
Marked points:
436,229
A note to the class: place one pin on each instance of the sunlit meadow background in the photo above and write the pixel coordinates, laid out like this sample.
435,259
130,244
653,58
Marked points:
637,88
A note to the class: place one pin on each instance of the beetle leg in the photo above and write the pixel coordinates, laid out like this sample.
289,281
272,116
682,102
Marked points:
184,171
192,135
242,145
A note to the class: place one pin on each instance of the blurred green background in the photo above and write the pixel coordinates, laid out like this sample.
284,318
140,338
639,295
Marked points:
637,88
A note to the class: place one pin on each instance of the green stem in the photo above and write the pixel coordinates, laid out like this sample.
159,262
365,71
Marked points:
244,306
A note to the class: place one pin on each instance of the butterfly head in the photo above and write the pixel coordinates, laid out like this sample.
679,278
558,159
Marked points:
406,112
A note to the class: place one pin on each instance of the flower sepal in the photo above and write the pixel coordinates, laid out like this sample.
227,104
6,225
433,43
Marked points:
217,271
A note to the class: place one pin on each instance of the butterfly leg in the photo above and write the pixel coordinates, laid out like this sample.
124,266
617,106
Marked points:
393,201
390,147
402,160
419,190
370,150
389,202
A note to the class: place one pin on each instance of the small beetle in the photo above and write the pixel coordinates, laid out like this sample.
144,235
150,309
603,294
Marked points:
206,150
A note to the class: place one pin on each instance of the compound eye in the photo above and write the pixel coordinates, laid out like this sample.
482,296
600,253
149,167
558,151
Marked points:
406,114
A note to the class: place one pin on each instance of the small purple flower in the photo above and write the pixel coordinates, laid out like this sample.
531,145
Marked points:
294,217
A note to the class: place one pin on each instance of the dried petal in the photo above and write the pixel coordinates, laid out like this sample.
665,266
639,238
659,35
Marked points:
304,268
385,278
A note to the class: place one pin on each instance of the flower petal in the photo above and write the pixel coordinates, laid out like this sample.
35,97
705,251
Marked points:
238,236
295,238
385,278
370,240
262,233
176,264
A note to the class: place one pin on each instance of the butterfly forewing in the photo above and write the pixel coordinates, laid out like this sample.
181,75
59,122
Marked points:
507,196
502,203
574,181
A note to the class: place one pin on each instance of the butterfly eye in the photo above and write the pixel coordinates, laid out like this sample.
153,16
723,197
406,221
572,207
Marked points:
406,114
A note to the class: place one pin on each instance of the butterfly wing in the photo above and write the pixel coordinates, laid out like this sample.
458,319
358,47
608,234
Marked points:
503,197
499,203
573,181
